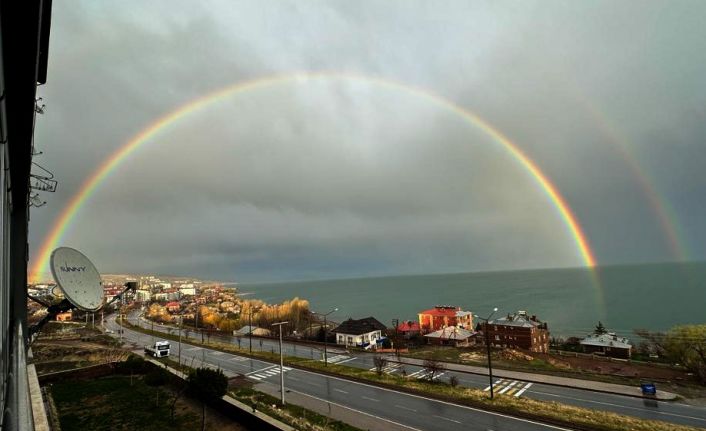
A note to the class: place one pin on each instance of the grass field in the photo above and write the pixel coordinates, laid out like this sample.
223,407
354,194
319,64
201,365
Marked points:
111,403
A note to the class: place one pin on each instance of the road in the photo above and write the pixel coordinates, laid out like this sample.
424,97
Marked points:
389,406
673,412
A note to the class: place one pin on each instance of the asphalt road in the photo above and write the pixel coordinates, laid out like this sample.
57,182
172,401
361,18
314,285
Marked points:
411,411
673,412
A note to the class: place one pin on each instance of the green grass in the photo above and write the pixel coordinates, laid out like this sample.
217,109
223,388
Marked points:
293,415
111,403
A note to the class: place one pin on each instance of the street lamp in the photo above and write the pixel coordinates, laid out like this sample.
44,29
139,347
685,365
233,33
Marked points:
487,345
326,335
181,321
250,328
281,359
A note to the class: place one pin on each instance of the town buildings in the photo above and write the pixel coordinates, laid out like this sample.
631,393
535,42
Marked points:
360,332
451,336
443,316
607,344
408,329
518,330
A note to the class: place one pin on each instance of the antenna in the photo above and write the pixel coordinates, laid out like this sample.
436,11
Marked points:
77,278
79,281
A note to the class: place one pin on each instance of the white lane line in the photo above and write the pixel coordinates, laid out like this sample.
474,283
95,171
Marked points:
370,399
521,391
358,411
437,376
508,387
474,409
192,349
343,362
494,385
415,373
260,370
447,419
260,376
217,353
340,390
621,406
405,408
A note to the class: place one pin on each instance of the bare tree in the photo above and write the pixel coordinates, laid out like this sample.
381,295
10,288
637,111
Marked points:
433,368
453,380
380,363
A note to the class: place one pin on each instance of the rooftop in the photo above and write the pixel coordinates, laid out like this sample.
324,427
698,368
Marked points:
451,333
442,310
519,319
606,340
360,326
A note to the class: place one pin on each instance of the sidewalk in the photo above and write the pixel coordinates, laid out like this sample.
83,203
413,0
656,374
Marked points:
567,382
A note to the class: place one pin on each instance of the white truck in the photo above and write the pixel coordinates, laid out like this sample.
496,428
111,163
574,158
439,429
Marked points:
159,349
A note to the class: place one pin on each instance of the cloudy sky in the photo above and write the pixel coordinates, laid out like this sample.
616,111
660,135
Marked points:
341,176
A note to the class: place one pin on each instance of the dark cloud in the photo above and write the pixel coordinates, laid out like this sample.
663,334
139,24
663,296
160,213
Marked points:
336,178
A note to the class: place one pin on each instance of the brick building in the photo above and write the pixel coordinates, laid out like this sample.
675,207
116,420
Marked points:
443,316
518,330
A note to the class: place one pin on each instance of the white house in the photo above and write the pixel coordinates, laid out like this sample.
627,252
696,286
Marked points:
361,332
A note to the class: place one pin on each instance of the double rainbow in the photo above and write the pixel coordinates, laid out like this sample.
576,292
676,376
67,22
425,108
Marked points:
59,228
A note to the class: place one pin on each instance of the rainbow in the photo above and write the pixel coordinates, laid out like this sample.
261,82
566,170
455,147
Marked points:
659,205
59,228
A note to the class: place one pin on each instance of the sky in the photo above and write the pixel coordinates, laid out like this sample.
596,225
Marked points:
344,177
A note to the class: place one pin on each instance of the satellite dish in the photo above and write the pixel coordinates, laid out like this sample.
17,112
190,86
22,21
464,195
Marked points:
77,278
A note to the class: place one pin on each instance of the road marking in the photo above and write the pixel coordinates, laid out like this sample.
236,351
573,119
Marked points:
507,388
217,353
474,409
340,390
193,349
415,373
356,410
621,406
338,359
370,399
494,384
521,391
447,419
260,370
405,408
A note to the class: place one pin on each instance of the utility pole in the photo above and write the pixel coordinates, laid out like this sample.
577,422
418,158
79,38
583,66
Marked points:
281,359
396,323
250,328
326,336
487,345
181,320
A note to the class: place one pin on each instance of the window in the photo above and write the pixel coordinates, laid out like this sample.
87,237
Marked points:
497,338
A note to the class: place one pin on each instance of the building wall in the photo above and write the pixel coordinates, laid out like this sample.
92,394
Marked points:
356,340
532,339
612,352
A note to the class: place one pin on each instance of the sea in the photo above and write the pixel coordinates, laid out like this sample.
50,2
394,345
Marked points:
572,301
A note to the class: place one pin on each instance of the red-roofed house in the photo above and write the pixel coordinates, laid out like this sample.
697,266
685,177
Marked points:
443,316
173,307
408,329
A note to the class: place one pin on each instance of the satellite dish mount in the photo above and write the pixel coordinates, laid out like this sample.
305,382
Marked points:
79,281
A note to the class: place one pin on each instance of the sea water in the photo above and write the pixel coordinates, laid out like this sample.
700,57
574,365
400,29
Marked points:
571,301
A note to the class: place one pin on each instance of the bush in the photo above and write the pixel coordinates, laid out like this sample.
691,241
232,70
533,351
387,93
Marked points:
132,365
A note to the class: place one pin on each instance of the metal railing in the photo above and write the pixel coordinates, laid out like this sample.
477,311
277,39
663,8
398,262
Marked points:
18,406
